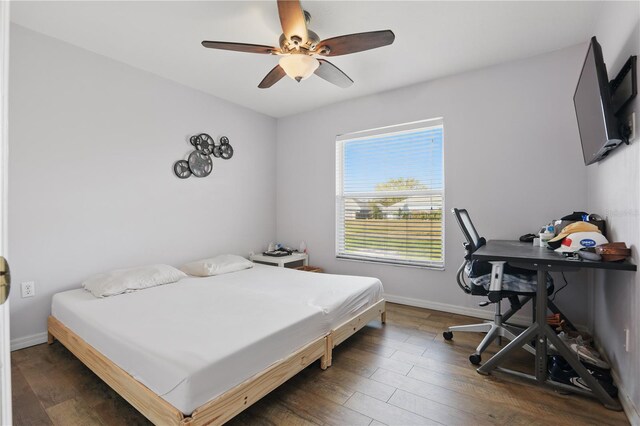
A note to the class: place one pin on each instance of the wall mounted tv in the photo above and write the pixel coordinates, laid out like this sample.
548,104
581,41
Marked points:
600,130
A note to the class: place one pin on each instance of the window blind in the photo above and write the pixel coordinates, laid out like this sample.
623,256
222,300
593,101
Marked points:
390,195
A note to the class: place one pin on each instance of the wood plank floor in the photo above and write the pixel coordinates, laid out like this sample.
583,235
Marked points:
402,373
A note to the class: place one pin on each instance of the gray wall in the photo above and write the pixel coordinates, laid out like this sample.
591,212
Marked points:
614,191
91,189
512,157
91,185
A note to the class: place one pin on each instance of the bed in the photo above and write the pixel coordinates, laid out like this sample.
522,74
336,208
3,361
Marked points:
201,350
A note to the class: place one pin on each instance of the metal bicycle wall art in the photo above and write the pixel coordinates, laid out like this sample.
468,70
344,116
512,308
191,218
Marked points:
199,162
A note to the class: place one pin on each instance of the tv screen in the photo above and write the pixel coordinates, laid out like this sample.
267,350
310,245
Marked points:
597,124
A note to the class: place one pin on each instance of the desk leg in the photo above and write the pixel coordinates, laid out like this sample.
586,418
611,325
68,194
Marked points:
541,321
523,338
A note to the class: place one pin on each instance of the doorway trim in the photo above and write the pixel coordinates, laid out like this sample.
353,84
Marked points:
5,339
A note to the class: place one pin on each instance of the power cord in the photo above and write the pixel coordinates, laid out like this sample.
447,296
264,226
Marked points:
566,283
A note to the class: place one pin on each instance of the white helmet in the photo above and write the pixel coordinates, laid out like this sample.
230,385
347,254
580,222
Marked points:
578,240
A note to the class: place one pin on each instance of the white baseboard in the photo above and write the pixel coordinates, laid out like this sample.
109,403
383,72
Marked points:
26,341
486,314
627,404
625,400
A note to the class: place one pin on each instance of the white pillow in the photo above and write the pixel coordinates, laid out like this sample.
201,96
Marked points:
218,265
125,280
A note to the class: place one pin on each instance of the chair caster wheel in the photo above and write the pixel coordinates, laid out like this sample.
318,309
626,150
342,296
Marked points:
475,359
448,335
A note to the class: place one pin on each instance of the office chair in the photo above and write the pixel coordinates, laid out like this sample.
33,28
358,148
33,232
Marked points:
504,282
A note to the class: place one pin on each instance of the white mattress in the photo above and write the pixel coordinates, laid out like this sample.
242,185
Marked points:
339,297
192,340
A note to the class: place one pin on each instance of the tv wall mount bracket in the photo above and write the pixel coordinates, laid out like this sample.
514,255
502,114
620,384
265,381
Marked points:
624,88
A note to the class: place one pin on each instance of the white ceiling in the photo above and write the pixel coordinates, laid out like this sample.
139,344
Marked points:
433,39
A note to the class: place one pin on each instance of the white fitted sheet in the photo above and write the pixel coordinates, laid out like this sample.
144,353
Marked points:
192,340
340,297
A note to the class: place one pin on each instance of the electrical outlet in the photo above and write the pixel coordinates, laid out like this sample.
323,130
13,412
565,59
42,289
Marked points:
626,340
631,122
28,289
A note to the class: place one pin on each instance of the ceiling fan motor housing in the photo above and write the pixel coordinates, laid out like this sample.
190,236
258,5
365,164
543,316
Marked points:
296,43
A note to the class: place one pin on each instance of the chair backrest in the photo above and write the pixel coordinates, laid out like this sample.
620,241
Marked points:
474,241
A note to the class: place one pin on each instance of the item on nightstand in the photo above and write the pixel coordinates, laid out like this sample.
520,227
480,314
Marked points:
278,253
303,247
613,252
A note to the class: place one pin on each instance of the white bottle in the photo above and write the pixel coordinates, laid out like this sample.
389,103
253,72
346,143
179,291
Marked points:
303,247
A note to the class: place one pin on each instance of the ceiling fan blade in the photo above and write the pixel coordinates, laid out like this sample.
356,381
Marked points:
353,43
272,78
332,74
292,20
240,47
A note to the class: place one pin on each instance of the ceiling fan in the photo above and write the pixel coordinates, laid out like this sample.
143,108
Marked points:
300,46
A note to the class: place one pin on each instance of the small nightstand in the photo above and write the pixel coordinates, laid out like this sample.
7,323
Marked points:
280,261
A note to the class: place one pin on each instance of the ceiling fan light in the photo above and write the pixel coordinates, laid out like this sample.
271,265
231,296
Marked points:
299,66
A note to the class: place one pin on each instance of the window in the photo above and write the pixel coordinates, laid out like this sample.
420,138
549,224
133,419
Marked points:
390,195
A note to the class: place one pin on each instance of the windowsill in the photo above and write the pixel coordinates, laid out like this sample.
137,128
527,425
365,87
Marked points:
390,263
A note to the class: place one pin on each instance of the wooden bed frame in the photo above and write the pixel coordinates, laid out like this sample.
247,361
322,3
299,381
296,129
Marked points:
230,403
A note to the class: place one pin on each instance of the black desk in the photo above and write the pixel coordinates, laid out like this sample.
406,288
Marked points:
544,260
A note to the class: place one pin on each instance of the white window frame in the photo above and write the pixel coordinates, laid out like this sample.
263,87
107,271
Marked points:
341,140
